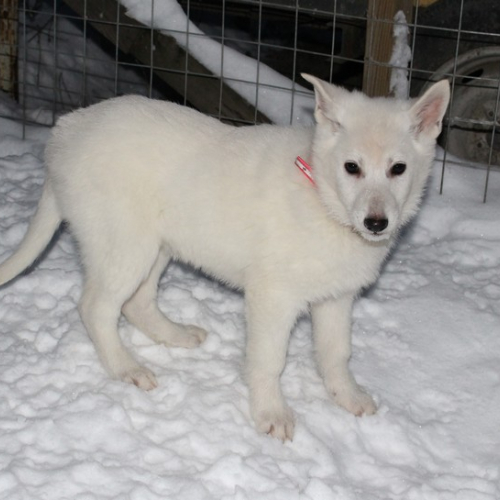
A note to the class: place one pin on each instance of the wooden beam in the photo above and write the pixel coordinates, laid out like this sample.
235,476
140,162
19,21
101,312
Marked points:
8,47
171,63
379,43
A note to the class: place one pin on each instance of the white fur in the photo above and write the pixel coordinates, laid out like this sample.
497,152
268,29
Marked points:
141,182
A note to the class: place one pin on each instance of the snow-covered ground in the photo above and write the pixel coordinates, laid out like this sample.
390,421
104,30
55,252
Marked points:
426,344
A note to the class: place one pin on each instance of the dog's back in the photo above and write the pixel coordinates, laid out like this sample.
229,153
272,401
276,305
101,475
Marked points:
176,176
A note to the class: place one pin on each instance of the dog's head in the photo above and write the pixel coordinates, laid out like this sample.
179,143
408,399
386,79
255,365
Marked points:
372,156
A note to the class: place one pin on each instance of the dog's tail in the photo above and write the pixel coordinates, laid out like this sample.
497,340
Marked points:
40,232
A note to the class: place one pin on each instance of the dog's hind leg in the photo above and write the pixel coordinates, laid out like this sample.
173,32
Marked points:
143,312
110,281
332,336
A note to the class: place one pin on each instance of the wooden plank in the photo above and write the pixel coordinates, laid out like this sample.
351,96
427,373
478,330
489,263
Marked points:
8,46
379,43
202,89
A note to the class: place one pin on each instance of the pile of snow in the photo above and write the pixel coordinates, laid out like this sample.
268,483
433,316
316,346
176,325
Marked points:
426,345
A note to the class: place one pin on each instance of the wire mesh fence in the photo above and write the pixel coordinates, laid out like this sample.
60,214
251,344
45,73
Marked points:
240,60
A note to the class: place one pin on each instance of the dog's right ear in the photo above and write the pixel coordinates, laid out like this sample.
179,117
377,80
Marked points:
428,111
327,98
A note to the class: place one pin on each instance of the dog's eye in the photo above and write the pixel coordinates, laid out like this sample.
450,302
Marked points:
352,168
398,168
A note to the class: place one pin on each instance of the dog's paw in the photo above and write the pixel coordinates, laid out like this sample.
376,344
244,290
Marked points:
279,424
141,377
356,401
187,336
194,336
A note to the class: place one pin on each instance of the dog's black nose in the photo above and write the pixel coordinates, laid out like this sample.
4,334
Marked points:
376,224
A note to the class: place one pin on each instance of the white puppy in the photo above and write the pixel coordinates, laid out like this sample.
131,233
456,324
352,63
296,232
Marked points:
141,182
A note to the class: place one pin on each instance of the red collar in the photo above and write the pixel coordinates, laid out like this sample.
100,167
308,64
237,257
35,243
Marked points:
305,168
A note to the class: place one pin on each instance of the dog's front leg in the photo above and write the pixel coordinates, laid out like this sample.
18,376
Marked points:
332,336
270,317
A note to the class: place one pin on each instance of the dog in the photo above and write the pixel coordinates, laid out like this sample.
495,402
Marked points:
141,182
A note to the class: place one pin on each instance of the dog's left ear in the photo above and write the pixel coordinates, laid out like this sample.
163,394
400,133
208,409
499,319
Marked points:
328,97
428,111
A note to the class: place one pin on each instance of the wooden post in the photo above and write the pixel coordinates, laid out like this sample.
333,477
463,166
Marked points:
8,47
379,43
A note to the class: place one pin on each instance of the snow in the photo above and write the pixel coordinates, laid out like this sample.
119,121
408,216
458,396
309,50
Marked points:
282,100
400,57
426,345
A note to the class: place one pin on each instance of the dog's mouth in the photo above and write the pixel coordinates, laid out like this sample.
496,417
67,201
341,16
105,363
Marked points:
372,236
375,235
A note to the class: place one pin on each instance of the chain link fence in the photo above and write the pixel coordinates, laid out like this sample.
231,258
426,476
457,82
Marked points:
240,60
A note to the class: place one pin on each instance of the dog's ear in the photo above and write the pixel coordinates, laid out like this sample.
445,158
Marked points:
428,111
328,97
